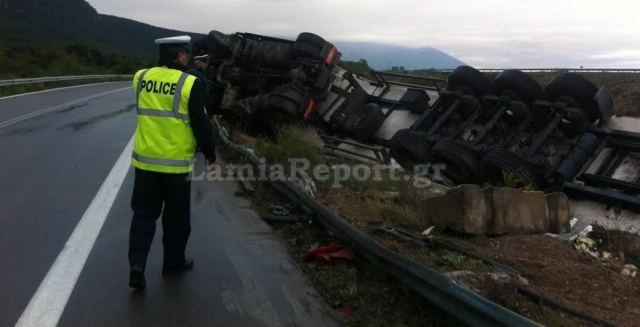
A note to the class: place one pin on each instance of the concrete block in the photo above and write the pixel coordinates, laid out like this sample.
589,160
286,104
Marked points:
462,209
559,212
469,209
516,211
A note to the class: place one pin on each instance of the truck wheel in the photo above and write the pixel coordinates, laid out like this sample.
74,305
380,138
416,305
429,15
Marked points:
470,81
364,124
461,163
574,122
311,39
410,148
284,105
273,54
518,86
576,91
501,167
281,109
306,51
309,45
516,114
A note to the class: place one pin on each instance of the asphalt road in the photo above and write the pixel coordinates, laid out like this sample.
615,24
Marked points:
56,150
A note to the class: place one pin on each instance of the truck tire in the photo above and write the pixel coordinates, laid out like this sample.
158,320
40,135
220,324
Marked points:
284,105
518,86
470,81
574,122
273,54
282,109
311,39
306,51
410,148
309,45
516,114
576,91
461,163
364,124
501,167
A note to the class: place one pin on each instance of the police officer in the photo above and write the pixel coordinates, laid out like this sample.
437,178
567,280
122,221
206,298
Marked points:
200,69
171,122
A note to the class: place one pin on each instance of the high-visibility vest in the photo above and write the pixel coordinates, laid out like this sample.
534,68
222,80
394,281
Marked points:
164,141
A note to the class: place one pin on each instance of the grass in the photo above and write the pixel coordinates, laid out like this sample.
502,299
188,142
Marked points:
292,142
444,260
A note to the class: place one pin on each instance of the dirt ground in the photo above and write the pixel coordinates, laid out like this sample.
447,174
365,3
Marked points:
551,266
556,270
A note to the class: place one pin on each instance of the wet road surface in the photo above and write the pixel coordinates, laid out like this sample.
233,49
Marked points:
56,150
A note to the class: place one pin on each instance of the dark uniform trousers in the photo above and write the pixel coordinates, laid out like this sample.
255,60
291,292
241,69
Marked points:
151,191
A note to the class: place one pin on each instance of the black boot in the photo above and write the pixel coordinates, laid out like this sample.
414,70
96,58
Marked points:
136,279
169,270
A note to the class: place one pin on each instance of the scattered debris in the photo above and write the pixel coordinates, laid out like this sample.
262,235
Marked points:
577,227
346,312
279,210
585,245
428,231
629,270
328,253
476,281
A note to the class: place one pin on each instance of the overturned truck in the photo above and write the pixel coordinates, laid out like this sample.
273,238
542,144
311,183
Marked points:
502,131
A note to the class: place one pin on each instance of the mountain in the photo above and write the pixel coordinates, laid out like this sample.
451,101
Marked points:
384,56
61,22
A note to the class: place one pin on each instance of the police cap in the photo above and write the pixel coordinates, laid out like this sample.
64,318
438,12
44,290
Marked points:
182,41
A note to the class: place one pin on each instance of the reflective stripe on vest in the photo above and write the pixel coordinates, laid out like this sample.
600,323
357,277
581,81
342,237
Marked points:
164,140
162,162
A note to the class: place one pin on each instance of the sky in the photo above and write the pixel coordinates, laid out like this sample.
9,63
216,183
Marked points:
484,34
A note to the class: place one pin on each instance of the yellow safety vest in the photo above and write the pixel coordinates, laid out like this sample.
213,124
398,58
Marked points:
164,141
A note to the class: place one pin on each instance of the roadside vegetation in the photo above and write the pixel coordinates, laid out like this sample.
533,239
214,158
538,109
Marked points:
73,59
23,61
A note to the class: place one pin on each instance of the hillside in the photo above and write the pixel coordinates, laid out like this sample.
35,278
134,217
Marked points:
61,22
384,56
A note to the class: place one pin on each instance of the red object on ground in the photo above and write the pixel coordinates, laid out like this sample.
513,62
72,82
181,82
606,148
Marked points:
346,312
328,253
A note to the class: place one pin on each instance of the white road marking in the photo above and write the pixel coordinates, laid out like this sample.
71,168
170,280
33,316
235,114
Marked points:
48,303
58,107
58,88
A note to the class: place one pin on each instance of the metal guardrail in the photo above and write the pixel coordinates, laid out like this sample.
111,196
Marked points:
557,70
464,304
33,80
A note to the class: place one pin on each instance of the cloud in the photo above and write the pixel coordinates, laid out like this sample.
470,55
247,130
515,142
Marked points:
489,33
619,54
